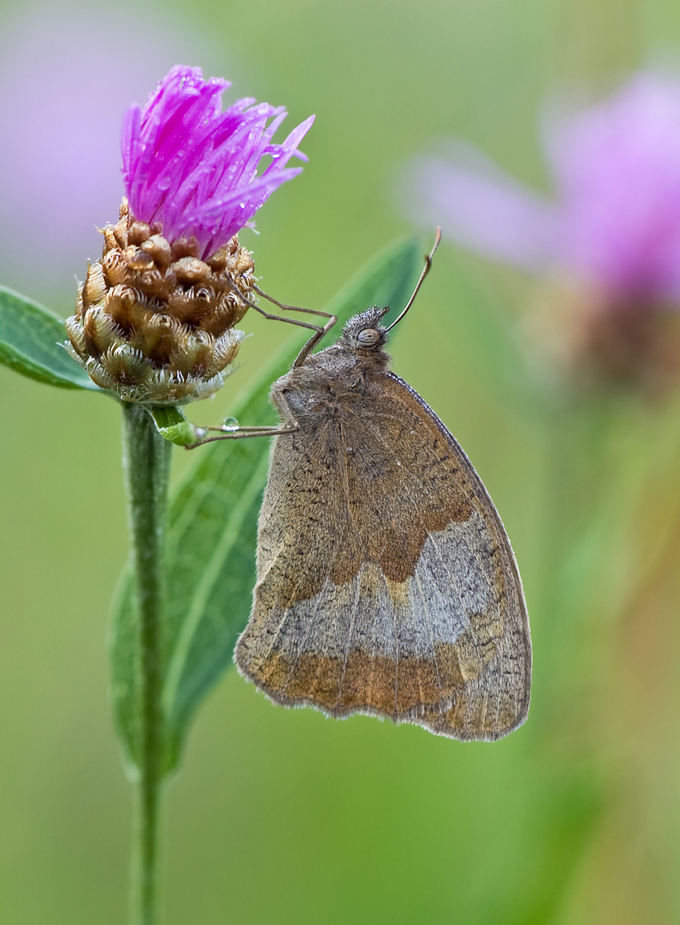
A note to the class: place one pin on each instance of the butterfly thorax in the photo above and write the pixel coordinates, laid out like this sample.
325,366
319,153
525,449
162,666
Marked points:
322,385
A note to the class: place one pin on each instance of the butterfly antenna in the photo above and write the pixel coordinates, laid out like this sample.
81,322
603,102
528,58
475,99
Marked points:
426,270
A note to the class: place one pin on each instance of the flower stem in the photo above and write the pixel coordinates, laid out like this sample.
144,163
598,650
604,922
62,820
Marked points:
147,464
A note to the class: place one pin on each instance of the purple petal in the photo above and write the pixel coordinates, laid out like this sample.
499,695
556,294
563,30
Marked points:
482,208
617,167
193,168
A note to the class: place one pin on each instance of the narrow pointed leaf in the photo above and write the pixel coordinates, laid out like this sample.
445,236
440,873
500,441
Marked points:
212,535
491,335
31,339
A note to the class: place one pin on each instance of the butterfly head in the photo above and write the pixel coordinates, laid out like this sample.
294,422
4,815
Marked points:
364,331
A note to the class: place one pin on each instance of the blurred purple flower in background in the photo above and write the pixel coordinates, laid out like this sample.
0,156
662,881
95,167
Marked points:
611,234
66,75
193,168
615,220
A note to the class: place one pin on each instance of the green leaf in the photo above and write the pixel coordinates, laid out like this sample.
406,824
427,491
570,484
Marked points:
212,535
491,336
172,425
30,343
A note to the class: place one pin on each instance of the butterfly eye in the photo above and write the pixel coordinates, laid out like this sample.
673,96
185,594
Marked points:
369,336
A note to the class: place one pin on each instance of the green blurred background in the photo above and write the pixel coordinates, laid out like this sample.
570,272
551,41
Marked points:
284,816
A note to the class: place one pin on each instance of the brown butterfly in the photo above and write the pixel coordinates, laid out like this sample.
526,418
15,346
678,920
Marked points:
386,583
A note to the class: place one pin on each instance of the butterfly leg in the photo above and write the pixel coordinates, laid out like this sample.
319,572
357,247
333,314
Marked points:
319,331
236,432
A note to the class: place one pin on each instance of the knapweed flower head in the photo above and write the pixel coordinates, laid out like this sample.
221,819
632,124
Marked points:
192,168
611,232
155,316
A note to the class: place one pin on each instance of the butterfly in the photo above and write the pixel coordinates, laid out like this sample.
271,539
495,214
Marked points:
386,583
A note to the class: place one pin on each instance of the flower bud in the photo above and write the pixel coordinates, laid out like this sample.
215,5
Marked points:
154,322
593,340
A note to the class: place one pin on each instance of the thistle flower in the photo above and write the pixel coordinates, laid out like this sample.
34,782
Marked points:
612,233
155,316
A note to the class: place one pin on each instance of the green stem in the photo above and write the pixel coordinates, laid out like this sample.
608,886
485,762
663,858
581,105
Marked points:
147,464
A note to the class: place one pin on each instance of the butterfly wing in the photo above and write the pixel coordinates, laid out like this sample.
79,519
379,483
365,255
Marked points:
386,581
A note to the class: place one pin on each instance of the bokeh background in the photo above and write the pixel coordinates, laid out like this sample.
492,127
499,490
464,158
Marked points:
283,816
